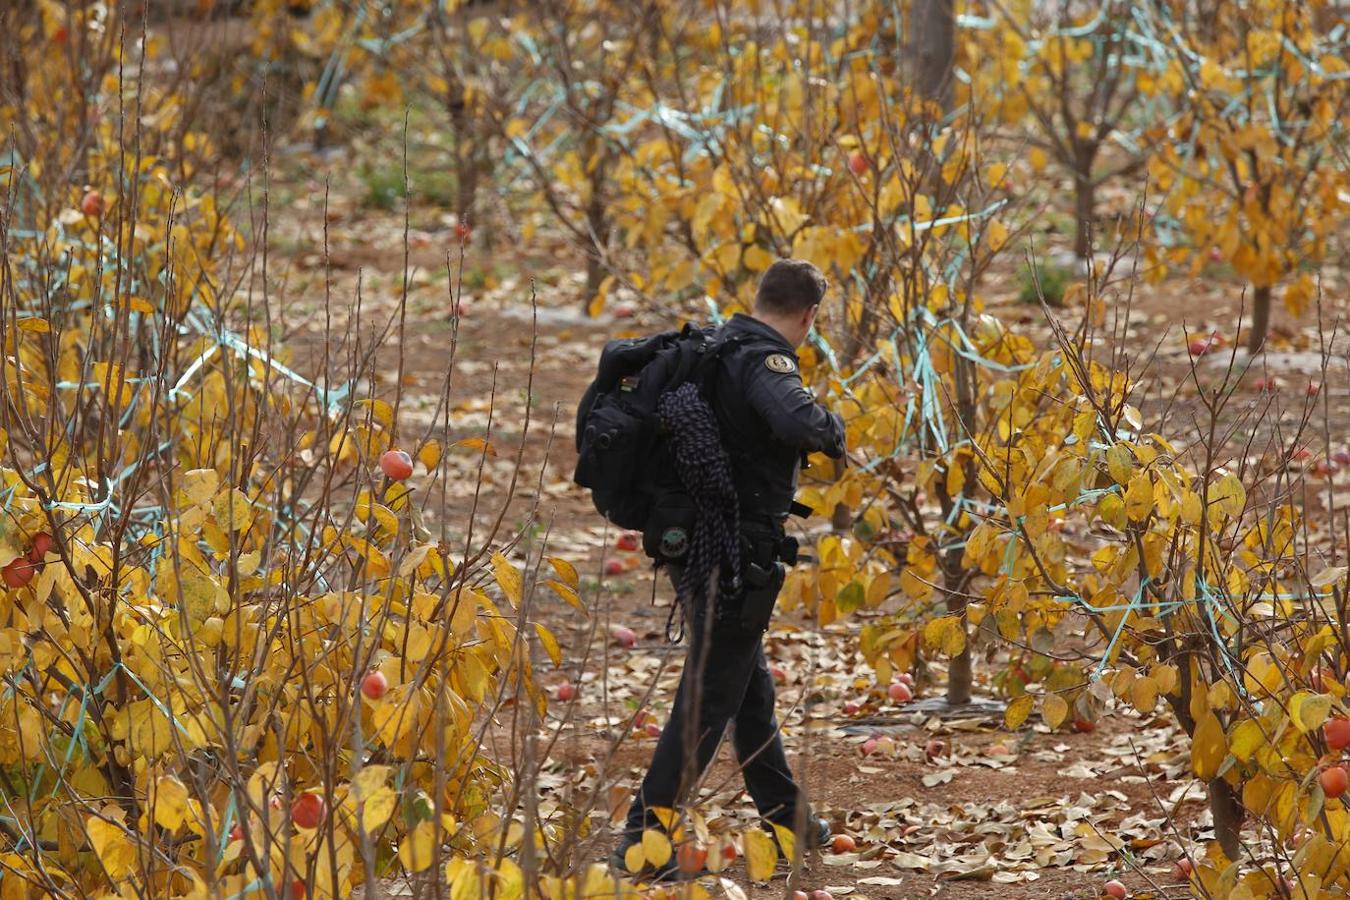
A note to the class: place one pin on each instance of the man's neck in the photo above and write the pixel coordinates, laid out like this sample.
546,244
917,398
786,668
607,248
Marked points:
774,322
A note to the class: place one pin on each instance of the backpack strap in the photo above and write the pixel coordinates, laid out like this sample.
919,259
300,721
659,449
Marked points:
714,353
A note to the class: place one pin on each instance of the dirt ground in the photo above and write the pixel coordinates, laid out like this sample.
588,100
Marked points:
993,814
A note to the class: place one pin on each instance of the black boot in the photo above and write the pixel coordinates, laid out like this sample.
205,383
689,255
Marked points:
818,834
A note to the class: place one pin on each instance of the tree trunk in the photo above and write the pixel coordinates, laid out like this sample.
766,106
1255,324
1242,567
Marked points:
1227,810
1256,338
466,165
1085,203
597,226
933,46
959,673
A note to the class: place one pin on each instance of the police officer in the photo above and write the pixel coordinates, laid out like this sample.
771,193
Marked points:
768,421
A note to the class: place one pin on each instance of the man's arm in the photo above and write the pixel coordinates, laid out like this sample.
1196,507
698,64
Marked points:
793,415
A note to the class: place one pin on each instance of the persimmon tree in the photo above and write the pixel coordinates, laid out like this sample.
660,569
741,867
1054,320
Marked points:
569,128
235,660
1071,81
1194,586
1251,172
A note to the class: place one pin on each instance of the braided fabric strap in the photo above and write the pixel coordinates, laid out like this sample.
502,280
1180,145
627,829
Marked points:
704,469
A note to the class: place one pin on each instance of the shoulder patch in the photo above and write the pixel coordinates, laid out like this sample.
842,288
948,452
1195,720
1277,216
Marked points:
780,363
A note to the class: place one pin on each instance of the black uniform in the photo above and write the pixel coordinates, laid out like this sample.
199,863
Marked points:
767,419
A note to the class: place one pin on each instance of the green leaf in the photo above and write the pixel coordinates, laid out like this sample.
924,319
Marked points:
851,598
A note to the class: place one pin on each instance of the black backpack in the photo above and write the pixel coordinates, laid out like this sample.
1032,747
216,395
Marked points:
622,454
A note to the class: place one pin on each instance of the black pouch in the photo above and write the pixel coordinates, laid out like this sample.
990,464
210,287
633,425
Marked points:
670,525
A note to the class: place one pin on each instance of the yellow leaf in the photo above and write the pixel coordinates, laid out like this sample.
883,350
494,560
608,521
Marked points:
597,302
369,780
115,850
1139,497
1054,710
945,634
1191,508
414,851
566,571
463,879
666,816
655,847
1017,712
634,858
1120,463
380,411
171,797
550,643
463,613
233,510
1166,677
1112,510
1309,711
1228,495
418,644
508,578
761,855
786,840
248,562
787,214
996,235
430,455
475,443
717,860
410,563
1144,693
378,808
198,487
510,881
568,594
342,447
1247,739
1208,747
756,258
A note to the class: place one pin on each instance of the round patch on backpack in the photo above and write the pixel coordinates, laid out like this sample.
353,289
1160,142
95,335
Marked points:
780,363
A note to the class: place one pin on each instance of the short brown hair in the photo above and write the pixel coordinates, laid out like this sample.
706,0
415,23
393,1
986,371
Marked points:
790,286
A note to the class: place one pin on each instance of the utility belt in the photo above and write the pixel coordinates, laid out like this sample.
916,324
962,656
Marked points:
745,603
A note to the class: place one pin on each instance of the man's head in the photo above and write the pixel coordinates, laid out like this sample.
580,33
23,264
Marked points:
789,295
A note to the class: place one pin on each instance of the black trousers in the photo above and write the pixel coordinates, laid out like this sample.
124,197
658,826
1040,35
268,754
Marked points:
726,680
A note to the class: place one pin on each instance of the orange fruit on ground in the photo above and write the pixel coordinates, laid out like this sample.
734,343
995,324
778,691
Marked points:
843,843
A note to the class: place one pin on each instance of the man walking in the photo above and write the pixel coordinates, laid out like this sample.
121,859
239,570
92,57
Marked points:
767,422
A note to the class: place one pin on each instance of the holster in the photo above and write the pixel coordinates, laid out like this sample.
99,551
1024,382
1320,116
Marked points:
764,550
